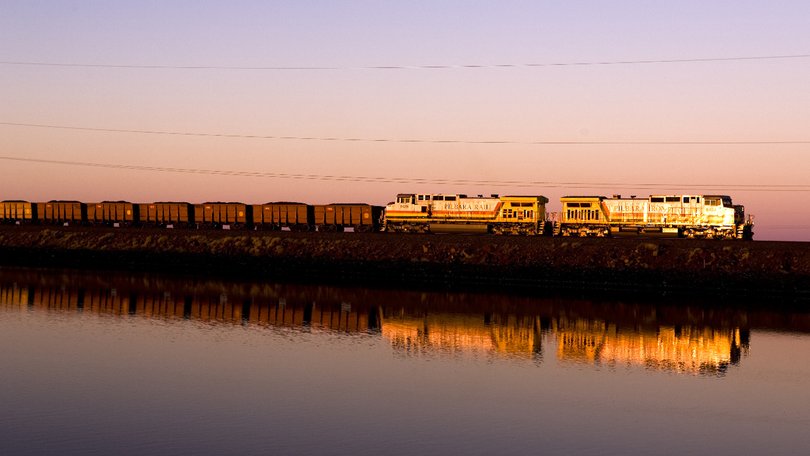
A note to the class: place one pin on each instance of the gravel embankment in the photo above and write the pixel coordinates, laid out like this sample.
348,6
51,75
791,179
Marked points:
680,266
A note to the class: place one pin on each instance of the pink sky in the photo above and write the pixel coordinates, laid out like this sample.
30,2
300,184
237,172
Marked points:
763,100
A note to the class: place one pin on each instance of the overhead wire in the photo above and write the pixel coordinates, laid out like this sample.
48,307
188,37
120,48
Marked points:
400,67
421,181
409,140
751,187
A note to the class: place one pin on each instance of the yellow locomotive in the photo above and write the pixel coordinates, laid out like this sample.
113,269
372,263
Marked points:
692,216
461,213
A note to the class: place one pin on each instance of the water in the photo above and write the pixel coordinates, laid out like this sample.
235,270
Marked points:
115,364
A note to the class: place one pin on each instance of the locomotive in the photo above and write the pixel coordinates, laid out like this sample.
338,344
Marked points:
458,212
690,216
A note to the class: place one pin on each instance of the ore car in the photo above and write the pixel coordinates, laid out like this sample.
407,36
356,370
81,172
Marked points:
339,216
62,212
276,216
460,213
17,212
166,214
707,216
112,213
223,215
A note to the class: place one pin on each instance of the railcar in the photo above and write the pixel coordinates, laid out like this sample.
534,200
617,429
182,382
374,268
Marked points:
280,215
166,214
360,217
65,213
692,216
112,213
495,214
223,215
17,212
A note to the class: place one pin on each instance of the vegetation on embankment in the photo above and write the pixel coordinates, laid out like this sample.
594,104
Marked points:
647,265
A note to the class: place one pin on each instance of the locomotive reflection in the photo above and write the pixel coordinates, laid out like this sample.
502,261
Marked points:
677,338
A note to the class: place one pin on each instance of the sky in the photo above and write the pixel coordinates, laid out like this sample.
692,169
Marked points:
356,101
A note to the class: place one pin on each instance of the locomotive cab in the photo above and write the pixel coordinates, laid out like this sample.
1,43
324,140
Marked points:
405,199
718,210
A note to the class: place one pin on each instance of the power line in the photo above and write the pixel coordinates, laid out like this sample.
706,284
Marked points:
411,140
420,181
402,67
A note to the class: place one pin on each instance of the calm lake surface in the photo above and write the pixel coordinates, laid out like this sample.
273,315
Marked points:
120,364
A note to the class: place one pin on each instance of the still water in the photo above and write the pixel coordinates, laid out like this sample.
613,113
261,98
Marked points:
120,364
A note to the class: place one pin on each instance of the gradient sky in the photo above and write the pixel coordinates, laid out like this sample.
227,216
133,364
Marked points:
756,100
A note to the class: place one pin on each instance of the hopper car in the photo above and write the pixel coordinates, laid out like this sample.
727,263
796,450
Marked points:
277,216
166,214
62,213
16,211
112,213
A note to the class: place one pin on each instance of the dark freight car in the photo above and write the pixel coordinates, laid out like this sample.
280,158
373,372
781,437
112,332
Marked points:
223,215
112,213
275,216
339,216
15,211
166,214
62,212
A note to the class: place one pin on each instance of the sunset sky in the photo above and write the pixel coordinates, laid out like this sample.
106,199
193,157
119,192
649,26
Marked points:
347,101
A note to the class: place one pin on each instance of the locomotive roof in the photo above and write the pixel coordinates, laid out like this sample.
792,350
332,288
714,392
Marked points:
583,196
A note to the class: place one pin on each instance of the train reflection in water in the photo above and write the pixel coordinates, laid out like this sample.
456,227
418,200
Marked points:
674,338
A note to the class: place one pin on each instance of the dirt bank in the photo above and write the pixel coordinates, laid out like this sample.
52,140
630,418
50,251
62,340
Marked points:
640,265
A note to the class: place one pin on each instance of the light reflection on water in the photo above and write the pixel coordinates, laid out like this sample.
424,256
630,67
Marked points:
143,364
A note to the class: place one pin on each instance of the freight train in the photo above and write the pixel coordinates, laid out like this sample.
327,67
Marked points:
691,216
